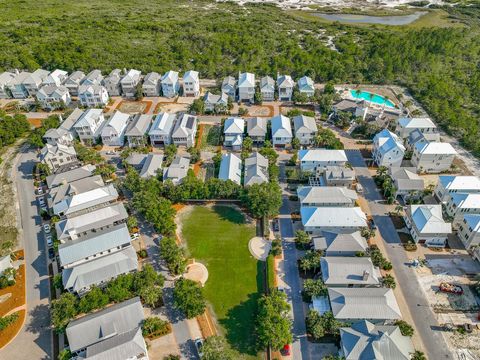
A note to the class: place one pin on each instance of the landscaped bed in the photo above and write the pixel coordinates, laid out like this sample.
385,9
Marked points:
218,237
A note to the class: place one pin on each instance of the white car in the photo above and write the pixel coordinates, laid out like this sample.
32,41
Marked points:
199,346
49,240
41,201
39,190
134,236
46,228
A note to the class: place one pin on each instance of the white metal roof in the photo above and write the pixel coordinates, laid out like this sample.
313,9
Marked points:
322,155
333,217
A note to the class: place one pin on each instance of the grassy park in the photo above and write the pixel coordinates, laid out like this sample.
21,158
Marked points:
218,237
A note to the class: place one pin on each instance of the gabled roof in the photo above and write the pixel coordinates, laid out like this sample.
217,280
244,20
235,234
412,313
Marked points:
75,78
364,303
152,78
59,193
215,99
114,77
89,118
285,81
473,221
117,123
101,325
385,140
6,78
229,81
339,172
428,219
95,89
129,345
467,183
256,169
304,124
333,242
191,75
366,341
163,124
305,83
234,125
20,78
416,123
246,80
55,149
170,77
333,217
322,155
281,126
267,82
465,201
56,77
406,178
231,168
139,125
86,200
436,148
185,126
69,176
153,163
178,169
94,77
326,195
36,77
339,270
131,76
68,123
52,91
257,126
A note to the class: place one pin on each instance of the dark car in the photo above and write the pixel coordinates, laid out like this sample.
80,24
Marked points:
373,226
51,253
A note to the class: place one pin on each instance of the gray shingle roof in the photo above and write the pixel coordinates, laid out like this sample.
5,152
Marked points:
339,270
139,125
69,176
152,164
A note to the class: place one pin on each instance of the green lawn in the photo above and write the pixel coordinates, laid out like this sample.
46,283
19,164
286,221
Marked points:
218,237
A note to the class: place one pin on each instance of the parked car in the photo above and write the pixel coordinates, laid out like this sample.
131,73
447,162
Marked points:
51,253
44,208
46,228
198,346
286,350
49,240
41,201
40,190
451,288
134,236
373,226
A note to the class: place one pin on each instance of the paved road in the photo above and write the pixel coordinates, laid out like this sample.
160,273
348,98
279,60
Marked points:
423,316
35,339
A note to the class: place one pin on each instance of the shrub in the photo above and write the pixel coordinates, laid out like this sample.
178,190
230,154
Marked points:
8,320
271,271
276,247
155,327
142,254
188,298
405,328
387,265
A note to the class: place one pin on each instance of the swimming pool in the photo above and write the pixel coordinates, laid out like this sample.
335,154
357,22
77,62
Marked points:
374,98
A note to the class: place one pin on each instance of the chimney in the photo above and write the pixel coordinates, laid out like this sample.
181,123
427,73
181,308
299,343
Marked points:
60,118
366,275
125,71
17,72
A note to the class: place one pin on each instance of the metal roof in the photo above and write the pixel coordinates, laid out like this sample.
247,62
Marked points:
339,270
231,168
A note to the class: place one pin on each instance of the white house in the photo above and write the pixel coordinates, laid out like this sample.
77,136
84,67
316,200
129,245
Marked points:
426,224
185,131
333,244
53,97
469,231
33,82
92,95
56,77
425,125
281,130
58,156
191,83
318,196
137,130
246,87
160,132
231,168
433,157
6,78
460,204
129,83
151,84
305,129
89,125
321,158
340,271
16,86
332,219
449,184
256,169
113,133
112,82
229,86
388,149
306,86
267,88
178,170
170,84
215,102
233,129
285,85
94,77
73,82
257,129
65,133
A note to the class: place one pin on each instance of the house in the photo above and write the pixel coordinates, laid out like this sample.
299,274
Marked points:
417,136
136,160
16,86
425,125
359,108
256,169
112,333
364,340
339,271
76,227
306,86
73,82
312,159
137,130
281,130
469,231
426,224
86,201
319,196
177,170
58,157
233,129
377,305
94,77
130,82
89,125
191,83
337,176
6,78
213,102
33,82
406,182
151,84
347,244
161,130
460,204
92,95
231,168
257,129
285,86
56,77
185,131
113,133
433,157
170,84
388,149
267,88
67,189
229,86
152,166
70,176
449,184
246,87
53,97
112,82
305,129
65,133
334,219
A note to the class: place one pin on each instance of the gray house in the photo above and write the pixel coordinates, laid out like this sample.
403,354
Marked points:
152,166
137,130
215,102
33,82
129,83
74,81
151,84
58,157
285,86
267,88
406,181
305,129
170,84
177,170
353,271
256,169
112,82
257,129
69,176
17,87
333,244
94,77
229,86
6,78
306,86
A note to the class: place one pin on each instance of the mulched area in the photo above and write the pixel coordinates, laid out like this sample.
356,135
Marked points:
18,293
12,330
398,221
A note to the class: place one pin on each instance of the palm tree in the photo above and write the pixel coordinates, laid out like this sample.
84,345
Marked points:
382,172
398,208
